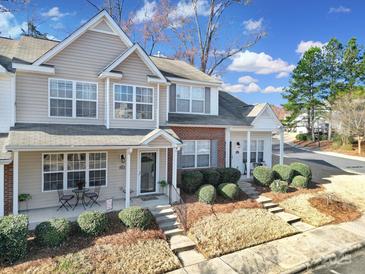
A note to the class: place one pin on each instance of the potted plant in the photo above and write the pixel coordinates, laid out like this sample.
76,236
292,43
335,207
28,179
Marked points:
163,185
80,185
24,198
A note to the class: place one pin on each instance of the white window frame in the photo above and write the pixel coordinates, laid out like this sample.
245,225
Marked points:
191,99
134,102
244,149
196,154
74,99
65,169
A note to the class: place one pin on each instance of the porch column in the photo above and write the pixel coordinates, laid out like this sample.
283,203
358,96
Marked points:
174,166
228,147
281,145
128,178
107,104
2,190
15,182
248,164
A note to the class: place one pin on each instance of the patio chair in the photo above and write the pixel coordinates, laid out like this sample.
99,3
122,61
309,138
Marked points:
64,199
93,196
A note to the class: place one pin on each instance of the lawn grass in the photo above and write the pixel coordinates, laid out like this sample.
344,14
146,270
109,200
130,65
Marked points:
223,233
117,251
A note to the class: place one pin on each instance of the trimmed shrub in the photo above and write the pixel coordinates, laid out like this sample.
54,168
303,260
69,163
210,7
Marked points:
301,137
279,186
283,172
211,176
229,191
229,175
92,223
301,169
53,232
263,175
207,194
191,181
300,182
13,238
136,217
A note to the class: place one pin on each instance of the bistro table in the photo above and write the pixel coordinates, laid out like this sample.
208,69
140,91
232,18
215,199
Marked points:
80,195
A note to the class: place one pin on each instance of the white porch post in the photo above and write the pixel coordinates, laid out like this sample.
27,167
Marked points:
248,164
228,147
107,104
158,107
15,182
2,190
174,166
281,145
128,178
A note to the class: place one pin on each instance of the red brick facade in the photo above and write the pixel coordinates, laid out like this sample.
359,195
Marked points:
199,133
8,189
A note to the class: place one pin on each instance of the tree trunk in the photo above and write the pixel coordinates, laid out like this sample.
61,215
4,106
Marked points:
312,124
329,135
359,144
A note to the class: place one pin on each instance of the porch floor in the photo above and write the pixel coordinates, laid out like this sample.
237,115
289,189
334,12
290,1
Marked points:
37,216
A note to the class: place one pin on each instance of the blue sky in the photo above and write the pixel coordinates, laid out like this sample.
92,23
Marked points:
291,27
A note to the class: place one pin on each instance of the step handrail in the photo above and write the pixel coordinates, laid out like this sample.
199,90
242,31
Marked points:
178,204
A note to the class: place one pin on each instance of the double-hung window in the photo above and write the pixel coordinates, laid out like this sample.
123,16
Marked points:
131,102
63,171
195,154
73,99
190,99
257,151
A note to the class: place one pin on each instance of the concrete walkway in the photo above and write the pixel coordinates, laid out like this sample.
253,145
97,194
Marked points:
288,255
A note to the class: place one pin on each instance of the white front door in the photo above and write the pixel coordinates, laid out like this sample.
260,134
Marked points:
236,152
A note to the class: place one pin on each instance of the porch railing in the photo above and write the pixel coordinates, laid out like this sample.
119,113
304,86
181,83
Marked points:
179,205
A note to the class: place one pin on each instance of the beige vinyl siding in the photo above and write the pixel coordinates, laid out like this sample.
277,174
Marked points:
159,141
163,105
103,26
82,60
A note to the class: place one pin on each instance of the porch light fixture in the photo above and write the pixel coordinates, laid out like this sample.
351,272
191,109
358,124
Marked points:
122,158
238,145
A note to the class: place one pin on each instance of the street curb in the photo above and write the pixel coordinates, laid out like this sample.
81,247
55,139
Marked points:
326,258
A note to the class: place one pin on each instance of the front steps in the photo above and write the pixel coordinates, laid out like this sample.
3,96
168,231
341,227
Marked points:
181,245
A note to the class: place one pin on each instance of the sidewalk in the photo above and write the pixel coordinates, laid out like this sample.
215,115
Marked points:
288,255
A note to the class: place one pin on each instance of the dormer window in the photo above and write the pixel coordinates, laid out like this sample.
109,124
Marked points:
190,99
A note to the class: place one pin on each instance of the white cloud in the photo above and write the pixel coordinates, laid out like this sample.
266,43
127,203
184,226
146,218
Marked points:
340,9
251,88
55,14
58,26
146,13
259,63
272,89
303,46
253,25
185,9
9,27
247,80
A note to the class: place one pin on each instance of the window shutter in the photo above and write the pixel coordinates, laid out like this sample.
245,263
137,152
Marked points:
172,98
214,153
207,100
179,156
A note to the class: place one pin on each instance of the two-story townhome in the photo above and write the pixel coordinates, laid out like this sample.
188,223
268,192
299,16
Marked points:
96,108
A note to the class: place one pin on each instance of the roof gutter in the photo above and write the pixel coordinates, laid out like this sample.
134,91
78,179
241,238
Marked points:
33,68
187,81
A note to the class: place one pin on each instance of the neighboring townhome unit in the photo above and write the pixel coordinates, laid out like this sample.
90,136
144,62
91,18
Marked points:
95,110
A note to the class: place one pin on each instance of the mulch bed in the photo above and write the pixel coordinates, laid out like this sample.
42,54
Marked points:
339,210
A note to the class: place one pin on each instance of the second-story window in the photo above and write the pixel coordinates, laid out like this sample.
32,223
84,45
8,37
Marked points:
72,99
190,99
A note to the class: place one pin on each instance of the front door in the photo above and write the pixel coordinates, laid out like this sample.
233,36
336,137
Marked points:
237,159
148,172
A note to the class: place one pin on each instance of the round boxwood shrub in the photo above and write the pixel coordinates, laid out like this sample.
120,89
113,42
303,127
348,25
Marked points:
53,232
207,194
263,175
301,169
136,217
211,176
283,172
92,223
229,191
300,182
191,181
279,186
229,175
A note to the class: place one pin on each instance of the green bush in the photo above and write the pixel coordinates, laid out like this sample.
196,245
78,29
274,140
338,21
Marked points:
92,223
301,137
283,172
229,175
191,181
53,232
207,194
211,176
13,238
136,217
279,186
229,191
263,175
300,182
347,147
301,169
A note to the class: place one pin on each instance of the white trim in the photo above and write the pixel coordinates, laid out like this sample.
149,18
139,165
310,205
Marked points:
142,55
196,154
15,182
281,146
77,148
167,104
271,112
248,163
158,106
187,81
33,68
107,103
2,70
174,169
228,146
13,98
191,100
114,75
93,28
157,133
59,47
157,176
128,178
2,182
153,80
